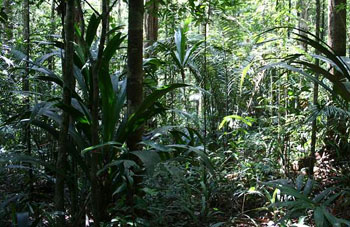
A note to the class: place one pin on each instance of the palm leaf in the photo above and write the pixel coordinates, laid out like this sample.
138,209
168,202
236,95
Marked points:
92,29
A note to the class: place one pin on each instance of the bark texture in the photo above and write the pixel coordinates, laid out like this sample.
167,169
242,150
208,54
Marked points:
337,41
152,24
303,18
135,70
337,26
63,137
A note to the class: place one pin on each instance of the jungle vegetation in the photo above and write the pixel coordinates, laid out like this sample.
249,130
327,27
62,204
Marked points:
174,113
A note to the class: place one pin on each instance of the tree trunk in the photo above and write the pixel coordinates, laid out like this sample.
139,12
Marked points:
52,32
289,16
98,198
135,70
151,25
315,96
337,26
303,18
135,86
63,136
25,83
337,41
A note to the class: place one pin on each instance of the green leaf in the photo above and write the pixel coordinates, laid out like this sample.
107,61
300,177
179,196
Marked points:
76,114
322,195
120,189
108,97
343,221
157,146
340,88
244,74
218,224
329,53
319,217
119,162
92,29
300,71
228,119
121,97
326,60
45,57
113,30
190,51
180,43
274,195
143,113
112,47
333,220
199,152
55,80
96,147
20,158
148,158
289,190
112,103
308,187
46,127
299,182
40,109
331,199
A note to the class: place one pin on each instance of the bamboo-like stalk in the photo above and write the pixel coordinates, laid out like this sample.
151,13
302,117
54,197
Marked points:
26,84
315,95
97,197
63,136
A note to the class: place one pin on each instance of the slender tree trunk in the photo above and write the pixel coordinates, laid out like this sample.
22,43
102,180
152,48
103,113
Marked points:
303,18
289,16
205,77
63,137
271,93
98,198
25,82
205,204
72,179
52,32
287,136
227,101
135,70
315,95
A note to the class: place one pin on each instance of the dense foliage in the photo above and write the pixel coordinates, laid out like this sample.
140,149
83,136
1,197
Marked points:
174,113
